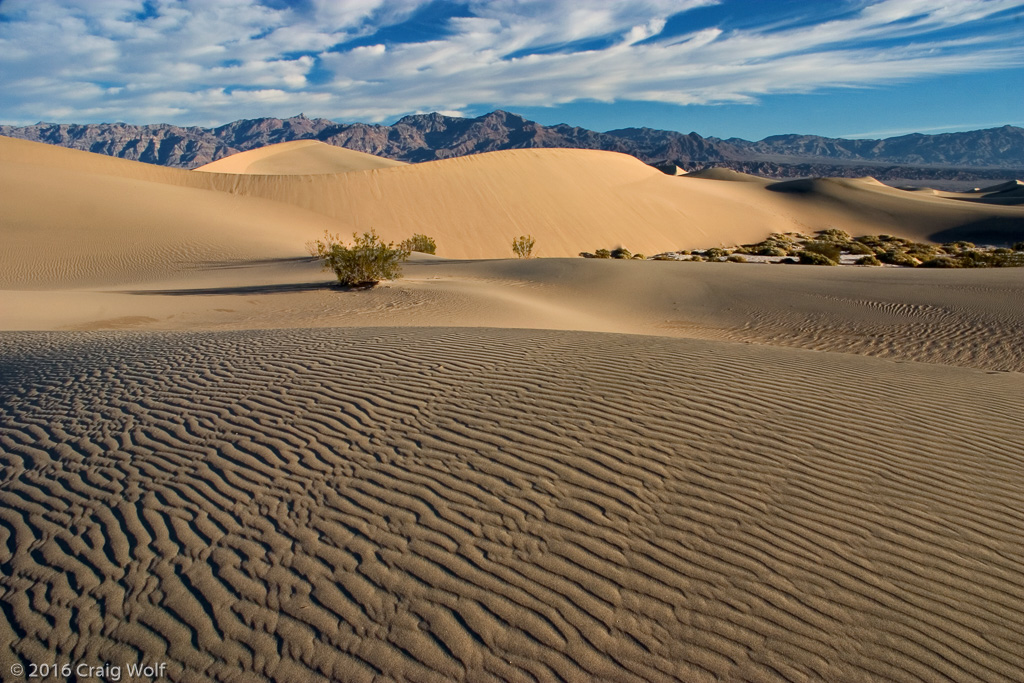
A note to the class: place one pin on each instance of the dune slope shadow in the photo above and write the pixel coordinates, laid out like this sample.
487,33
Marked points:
460,504
997,230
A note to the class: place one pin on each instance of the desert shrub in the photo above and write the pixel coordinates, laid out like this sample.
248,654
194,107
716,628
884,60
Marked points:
814,258
859,248
973,259
714,254
829,250
767,247
1019,246
522,246
892,239
922,251
368,261
941,262
602,253
833,235
736,258
897,258
957,247
764,249
1002,250
696,257
869,260
639,257
786,237
983,259
586,254
662,257
420,243
621,252
789,260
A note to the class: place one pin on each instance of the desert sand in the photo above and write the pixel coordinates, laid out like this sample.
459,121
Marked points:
299,157
493,469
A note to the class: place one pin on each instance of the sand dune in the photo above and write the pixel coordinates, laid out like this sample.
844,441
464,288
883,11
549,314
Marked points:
299,157
569,200
728,174
553,469
68,228
574,200
1010,185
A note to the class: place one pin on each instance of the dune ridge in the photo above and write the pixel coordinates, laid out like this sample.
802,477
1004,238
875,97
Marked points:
300,157
569,200
455,504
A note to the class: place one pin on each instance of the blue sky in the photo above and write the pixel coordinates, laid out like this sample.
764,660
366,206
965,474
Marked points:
744,68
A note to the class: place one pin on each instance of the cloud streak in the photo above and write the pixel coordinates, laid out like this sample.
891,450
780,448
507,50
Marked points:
210,61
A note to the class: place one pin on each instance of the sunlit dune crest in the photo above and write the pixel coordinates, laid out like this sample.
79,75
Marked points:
300,157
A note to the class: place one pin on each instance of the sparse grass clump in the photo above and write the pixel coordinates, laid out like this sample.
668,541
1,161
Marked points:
829,250
420,243
958,247
828,246
617,253
834,235
777,244
988,259
898,258
363,264
814,258
522,246
923,252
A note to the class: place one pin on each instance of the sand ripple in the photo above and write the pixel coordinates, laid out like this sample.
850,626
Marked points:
455,504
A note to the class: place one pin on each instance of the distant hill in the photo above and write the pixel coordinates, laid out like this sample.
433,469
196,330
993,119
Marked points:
990,153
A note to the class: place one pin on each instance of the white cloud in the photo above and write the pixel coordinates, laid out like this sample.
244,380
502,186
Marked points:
203,61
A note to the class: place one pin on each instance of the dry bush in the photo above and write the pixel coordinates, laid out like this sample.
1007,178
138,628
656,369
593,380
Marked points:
368,261
522,246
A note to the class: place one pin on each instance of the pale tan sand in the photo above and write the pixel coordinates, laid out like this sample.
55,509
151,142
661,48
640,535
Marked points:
728,174
569,200
299,157
74,223
969,317
212,458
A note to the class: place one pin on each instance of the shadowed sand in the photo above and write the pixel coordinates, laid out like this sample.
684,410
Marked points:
554,469
467,504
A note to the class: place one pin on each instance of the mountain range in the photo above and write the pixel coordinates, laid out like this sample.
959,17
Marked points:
990,153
